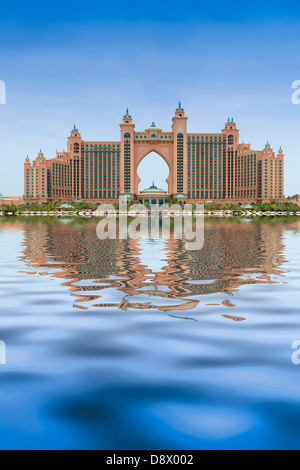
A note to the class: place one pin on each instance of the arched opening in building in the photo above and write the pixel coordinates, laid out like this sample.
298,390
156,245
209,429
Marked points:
153,169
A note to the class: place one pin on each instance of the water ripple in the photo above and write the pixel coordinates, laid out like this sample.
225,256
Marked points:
140,344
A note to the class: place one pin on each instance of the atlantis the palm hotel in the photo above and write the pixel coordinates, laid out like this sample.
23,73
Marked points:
202,167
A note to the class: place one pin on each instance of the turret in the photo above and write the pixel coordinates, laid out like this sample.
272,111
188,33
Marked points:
74,132
232,133
179,120
268,151
74,142
179,111
267,146
127,119
230,124
280,153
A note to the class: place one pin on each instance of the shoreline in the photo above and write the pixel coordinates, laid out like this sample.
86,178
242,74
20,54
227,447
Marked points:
133,214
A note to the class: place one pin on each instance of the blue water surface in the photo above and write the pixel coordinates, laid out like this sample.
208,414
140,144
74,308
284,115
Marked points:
141,344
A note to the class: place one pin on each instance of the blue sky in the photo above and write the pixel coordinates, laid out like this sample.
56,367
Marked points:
83,63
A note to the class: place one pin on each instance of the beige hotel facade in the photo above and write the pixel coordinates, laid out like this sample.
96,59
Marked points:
202,166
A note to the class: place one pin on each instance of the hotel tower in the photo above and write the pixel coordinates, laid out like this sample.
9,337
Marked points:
202,167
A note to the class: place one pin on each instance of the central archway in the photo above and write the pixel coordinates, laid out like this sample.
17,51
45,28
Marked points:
164,151
153,168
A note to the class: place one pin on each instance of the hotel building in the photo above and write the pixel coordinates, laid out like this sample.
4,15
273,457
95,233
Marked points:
202,167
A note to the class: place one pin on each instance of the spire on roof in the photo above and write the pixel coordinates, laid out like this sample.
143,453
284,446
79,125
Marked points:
127,113
179,106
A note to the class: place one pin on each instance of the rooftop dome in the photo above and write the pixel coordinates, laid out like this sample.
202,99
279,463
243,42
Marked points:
152,127
153,189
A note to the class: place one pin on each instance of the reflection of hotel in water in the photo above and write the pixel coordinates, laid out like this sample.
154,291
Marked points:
234,254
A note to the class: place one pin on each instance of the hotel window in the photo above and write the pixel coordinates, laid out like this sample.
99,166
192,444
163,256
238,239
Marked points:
230,140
